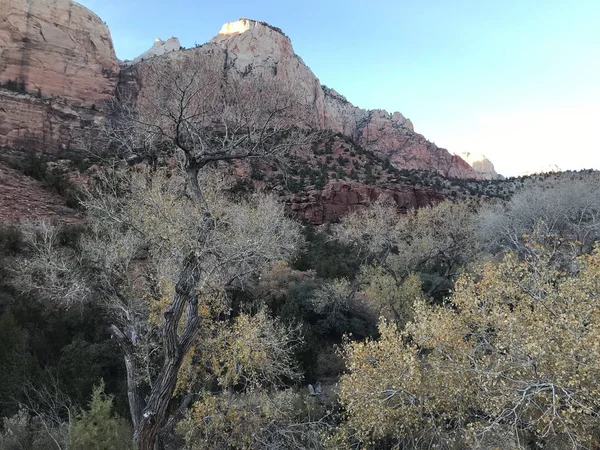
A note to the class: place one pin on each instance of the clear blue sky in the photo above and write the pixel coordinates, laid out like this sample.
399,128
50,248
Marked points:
516,80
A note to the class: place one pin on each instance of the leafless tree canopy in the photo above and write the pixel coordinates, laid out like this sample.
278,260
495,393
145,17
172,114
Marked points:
565,214
191,103
163,243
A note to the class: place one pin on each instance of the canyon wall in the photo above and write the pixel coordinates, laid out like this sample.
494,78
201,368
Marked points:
57,69
57,48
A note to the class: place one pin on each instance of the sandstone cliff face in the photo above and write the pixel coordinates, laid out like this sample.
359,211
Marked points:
256,46
340,197
57,68
57,48
62,55
253,47
27,122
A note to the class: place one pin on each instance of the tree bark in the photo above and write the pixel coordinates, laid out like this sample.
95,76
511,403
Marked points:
154,416
133,396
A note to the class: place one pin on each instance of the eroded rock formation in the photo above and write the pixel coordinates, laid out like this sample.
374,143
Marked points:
338,198
256,46
28,122
159,48
58,68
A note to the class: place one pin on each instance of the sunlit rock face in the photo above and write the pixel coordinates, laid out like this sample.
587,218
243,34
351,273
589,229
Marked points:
160,47
254,47
547,168
481,165
237,27
62,55
57,48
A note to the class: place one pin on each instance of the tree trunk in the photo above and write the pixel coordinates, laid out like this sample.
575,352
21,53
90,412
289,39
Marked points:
154,416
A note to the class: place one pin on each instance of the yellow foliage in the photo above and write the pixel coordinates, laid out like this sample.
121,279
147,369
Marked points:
518,346
388,298
256,351
253,420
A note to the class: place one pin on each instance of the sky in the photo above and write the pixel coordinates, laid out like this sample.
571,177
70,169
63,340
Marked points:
515,80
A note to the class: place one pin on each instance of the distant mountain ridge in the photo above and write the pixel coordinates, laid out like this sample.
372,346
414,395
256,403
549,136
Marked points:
262,47
37,36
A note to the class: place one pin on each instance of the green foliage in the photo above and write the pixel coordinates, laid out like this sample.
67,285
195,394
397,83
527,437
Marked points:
242,188
72,345
35,165
256,173
291,296
327,257
98,428
18,86
11,241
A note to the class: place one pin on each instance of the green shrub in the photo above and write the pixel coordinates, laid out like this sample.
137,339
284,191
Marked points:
35,166
99,428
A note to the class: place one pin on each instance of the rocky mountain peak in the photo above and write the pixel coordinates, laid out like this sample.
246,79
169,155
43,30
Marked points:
242,25
160,47
57,49
254,40
480,164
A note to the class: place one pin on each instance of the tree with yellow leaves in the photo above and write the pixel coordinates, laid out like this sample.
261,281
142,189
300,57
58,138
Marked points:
516,351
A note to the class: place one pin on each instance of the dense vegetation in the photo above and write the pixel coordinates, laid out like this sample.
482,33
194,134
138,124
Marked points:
190,311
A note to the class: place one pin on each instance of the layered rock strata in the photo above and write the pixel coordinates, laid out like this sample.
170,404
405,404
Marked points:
253,46
28,122
57,48
57,69
340,197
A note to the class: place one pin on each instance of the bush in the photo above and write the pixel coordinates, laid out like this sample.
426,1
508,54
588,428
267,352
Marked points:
11,241
22,431
99,428
35,166
15,86
16,363
254,420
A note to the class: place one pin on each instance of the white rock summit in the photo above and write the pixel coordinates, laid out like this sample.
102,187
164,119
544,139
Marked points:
160,47
481,165
242,25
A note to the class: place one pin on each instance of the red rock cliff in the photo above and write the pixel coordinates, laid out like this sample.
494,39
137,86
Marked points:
341,197
254,46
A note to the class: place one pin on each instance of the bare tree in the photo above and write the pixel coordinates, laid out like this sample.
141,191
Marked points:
564,214
163,242
437,239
